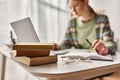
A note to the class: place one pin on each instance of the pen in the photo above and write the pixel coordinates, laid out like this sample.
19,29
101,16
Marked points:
89,42
91,45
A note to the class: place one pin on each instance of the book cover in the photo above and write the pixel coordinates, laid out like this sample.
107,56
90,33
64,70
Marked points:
33,46
36,61
31,53
91,55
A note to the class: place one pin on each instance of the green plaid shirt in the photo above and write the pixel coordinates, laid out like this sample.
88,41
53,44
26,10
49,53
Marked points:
103,32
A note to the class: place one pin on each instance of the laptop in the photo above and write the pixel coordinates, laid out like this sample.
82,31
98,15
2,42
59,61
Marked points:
24,30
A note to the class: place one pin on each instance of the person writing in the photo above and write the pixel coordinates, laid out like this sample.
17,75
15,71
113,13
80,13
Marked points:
87,24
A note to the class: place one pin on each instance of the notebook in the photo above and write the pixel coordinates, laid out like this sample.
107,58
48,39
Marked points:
91,55
24,30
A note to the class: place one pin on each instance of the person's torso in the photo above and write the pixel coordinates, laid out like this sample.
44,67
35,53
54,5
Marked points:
85,31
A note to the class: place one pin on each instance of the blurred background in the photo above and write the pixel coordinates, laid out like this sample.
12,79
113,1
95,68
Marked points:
49,18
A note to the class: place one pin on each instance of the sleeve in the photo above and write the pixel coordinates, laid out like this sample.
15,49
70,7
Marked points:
67,41
108,37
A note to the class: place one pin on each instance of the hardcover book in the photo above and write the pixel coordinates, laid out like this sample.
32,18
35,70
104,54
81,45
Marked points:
33,46
31,53
36,61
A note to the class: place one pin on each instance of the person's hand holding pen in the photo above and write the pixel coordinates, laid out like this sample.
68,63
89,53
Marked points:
99,47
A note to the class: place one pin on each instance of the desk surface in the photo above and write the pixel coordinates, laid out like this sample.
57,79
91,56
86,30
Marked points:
59,69
74,71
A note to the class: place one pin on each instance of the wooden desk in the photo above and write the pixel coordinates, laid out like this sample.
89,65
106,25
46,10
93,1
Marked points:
73,71
76,71
3,67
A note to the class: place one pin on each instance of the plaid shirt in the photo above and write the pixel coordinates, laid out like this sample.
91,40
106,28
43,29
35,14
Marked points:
103,32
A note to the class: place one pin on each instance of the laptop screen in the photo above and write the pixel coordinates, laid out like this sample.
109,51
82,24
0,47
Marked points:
24,30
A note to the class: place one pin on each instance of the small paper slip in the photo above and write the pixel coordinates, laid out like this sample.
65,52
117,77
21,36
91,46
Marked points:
91,55
59,52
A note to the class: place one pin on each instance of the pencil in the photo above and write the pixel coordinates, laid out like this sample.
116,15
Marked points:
89,42
91,45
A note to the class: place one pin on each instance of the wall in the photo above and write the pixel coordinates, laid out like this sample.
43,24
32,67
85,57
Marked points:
112,9
4,29
9,11
12,10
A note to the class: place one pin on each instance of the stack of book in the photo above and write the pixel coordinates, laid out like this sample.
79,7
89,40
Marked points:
33,54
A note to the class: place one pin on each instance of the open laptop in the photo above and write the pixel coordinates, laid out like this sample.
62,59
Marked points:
24,30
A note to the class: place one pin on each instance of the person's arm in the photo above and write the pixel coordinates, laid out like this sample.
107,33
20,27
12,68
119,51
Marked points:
66,43
108,40
106,44
68,38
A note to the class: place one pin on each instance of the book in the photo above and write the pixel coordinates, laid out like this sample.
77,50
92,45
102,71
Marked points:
31,53
33,46
36,61
91,55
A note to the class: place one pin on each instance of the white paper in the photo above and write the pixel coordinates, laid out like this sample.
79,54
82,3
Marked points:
91,55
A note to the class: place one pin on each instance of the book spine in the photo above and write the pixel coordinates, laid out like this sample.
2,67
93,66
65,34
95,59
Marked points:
24,60
31,53
43,60
35,47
